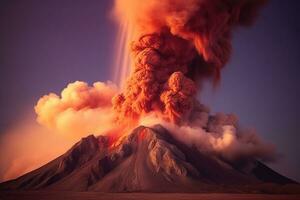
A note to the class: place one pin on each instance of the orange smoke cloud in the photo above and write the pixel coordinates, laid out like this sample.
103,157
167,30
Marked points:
178,97
177,40
80,110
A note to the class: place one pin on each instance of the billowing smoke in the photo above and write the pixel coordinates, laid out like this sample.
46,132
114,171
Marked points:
177,45
219,136
79,110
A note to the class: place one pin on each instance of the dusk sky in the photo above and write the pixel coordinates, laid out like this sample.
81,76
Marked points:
44,45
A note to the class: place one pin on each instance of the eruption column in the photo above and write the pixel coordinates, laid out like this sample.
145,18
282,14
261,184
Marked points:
176,46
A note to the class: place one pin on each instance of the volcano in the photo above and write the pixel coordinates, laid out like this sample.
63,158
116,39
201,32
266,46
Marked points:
149,160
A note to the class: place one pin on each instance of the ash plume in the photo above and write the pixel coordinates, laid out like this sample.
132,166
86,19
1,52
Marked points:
177,45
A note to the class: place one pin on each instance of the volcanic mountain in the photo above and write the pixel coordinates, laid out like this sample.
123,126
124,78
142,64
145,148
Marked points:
149,160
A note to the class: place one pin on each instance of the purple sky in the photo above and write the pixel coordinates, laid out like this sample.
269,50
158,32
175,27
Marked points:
46,44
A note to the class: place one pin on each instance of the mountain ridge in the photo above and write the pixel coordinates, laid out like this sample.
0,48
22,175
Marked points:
148,160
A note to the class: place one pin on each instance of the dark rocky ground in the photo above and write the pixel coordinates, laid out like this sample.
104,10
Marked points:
43,195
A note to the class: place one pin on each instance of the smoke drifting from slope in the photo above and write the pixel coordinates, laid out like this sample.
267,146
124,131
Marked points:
220,136
177,45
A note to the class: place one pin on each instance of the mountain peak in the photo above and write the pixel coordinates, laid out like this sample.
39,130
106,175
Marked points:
149,160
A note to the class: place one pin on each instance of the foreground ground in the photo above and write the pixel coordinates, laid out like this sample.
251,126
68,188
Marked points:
137,196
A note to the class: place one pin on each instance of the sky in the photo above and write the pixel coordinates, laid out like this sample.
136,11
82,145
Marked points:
44,45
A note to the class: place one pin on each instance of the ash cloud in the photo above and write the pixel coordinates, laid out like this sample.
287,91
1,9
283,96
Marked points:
177,45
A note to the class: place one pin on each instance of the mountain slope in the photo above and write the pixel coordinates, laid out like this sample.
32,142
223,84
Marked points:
148,160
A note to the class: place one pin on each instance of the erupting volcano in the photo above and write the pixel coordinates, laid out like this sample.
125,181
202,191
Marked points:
149,160
151,133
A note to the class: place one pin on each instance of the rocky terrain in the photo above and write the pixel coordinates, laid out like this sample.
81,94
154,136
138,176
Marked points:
149,160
